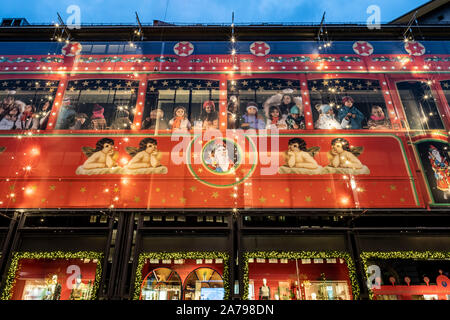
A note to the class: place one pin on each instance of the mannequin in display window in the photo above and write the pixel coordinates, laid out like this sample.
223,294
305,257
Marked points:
264,291
53,291
80,291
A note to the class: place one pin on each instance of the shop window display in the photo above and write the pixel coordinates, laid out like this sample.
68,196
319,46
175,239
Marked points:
182,279
348,104
298,279
26,104
414,278
53,279
277,102
184,104
98,105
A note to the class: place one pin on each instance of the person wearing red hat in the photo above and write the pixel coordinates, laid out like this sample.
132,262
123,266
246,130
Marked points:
349,116
98,121
209,116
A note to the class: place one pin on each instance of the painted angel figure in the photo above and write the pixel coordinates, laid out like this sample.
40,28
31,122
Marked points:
146,158
343,158
101,160
300,159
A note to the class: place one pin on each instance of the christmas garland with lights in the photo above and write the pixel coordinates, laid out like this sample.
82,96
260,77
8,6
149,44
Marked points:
181,255
413,255
302,255
17,256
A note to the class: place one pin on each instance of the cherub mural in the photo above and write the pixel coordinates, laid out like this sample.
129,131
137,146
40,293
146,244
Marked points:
146,159
101,160
299,159
343,158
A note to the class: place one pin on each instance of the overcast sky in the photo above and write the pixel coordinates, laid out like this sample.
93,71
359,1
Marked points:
207,11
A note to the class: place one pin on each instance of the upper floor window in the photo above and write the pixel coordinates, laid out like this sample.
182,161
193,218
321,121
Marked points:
419,105
26,104
348,104
181,104
265,103
98,104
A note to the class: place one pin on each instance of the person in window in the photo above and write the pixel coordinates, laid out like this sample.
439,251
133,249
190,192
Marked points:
378,120
275,120
98,121
209,116
295,119
251,119
122,120
326,118
11,120
26,118
349,116
79,122
156,115
180,120
284,100
41,118
7,103
66,115
233,113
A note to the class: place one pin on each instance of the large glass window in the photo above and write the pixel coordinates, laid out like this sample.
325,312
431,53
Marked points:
446,89
419,105
204,284
98,104
181,104
26,104
161,284
410,279
265,103
298,279
348,104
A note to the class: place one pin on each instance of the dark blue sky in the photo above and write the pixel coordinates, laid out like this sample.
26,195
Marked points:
207,11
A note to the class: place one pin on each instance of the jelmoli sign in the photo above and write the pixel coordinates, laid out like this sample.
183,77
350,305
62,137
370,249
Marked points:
239,170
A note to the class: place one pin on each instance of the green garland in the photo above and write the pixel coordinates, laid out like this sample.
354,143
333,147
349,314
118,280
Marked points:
302,255
17,256
181,255
416,255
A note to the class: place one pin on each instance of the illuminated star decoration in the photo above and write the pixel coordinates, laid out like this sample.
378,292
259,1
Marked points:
259,48
183,48
72,49
414,48
363,48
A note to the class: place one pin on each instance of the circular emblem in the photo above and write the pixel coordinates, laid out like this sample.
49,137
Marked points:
363,48
183,49
221,162
259,48
72,49
414,48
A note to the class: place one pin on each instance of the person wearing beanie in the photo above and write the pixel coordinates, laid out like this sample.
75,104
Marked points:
326,118
295,119
349,116
251,119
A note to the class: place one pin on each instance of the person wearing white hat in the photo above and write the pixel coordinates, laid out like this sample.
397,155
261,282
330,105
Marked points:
251,119
326,118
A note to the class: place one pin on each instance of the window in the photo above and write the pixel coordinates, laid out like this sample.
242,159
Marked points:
195,97
204,284
161,284
333,99
419,105
275,100
446,89
26,104
98,105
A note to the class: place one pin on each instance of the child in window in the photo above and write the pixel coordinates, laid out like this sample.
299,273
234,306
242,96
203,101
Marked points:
156,116
349,116
275,120
233,113
179,120
98,121
326,118
378,120
295,119
251,119
26,118
209,116
10,121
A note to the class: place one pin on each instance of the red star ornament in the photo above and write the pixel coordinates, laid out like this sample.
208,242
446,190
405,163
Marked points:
72,49
259,48
183,49
363,48
414,48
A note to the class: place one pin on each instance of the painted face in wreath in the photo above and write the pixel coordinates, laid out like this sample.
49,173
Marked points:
221,156
150,148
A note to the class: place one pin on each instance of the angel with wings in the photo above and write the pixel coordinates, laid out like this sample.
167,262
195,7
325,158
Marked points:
344,158
101,160
146,158
299,159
